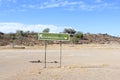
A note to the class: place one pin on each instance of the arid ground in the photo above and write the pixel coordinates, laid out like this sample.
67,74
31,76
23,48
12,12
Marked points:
79,62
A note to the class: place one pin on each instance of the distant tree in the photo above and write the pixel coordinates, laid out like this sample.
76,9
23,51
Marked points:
26,33
12,37
79,35
76,37
46,30
69,31
1,33
19,35
74,40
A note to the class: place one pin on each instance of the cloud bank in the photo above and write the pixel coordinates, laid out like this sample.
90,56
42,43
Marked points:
12,27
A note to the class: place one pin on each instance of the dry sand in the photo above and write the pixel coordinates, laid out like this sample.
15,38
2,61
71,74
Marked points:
79,62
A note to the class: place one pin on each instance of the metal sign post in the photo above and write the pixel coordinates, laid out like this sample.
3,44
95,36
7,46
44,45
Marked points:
60,54
45,52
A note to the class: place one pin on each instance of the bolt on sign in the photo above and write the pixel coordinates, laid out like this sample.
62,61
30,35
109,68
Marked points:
53,36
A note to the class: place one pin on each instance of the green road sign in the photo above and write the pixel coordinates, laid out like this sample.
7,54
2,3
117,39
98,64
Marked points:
53,36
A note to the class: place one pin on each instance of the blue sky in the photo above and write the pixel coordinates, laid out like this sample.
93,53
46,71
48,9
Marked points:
93,16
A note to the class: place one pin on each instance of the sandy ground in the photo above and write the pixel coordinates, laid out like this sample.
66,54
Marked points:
79,62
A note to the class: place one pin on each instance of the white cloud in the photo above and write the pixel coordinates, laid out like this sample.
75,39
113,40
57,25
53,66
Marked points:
98,7
98,1
63,4
13,1
78,5
12,27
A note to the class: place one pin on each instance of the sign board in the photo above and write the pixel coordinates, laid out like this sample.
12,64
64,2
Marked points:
53,36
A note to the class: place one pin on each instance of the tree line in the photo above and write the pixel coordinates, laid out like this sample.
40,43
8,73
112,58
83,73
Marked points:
29,38
21,35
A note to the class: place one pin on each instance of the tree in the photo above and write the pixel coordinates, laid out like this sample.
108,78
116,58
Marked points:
12,38
76,37
19,35
26,33
1,34
46,30
74,40
79,35
69,31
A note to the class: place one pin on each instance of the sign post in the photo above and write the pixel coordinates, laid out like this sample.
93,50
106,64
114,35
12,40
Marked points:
60,54
53,36
45,52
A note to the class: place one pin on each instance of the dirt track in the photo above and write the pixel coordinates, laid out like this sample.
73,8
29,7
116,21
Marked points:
87,63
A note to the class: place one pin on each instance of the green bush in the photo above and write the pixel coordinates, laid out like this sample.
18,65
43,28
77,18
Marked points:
75,40
79,35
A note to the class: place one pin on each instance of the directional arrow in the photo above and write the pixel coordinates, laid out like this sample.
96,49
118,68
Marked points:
40,36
